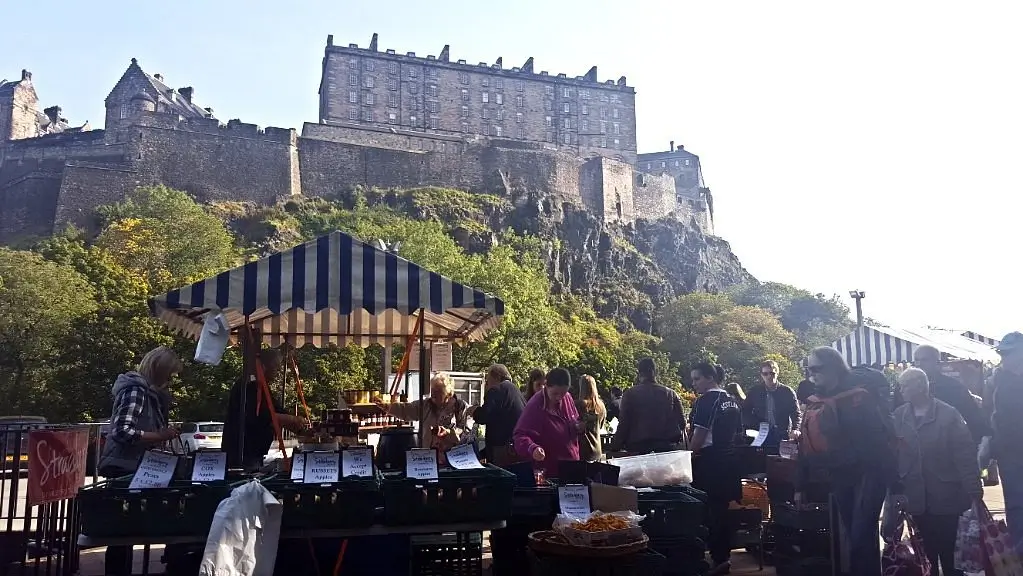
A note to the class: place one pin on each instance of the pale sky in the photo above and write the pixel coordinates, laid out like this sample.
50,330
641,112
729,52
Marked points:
869,145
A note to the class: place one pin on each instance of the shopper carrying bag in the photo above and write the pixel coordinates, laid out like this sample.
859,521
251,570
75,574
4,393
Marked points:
903,553
1000,557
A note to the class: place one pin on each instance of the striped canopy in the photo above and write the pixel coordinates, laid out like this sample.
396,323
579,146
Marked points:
871,345
981,338
333,290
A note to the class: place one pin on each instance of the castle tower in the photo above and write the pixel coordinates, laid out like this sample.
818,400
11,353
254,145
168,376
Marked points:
18,105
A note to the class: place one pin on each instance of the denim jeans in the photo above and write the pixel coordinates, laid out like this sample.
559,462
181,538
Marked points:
1011,472
859,512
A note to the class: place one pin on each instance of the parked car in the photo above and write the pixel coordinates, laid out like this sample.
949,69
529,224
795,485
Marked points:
11,428
201,435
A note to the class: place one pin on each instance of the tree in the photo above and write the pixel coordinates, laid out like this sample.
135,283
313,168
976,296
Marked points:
815,319
39,303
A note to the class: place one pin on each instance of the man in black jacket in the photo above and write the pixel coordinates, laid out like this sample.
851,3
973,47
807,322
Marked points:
773,403
952,392
501,409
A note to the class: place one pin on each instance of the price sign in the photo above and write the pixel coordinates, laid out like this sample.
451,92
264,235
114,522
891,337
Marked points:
297,467
209,466
765,429
421,464
357,462
321,468
155,471
574,500
463,458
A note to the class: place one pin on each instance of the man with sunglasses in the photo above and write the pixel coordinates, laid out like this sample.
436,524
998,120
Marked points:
773,403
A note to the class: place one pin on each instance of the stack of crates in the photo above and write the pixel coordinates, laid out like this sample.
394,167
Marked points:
800,538
676,525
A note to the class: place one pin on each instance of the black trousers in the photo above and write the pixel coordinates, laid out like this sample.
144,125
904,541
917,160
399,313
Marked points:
117,561
719,542
716,473
938,532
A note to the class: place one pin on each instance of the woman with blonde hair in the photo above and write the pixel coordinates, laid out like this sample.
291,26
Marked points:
593,415
443,413
138,422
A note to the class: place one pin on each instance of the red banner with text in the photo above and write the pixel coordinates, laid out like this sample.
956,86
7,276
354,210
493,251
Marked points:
56,464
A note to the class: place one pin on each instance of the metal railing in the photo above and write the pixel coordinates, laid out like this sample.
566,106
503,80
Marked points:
41,539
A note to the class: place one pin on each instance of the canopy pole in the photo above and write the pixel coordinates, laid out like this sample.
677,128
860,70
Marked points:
423,377
247,372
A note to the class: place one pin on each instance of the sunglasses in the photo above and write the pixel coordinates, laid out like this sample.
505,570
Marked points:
767,373
815,369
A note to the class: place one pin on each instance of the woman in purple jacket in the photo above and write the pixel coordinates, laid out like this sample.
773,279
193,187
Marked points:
549,428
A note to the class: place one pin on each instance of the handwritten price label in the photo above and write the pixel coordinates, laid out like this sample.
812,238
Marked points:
297,467
155,471
574,500
209,466
421,464
357,462
321,468
463,458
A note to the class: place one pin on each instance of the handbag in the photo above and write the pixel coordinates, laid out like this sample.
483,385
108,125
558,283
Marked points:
904,556
969,555
1000,556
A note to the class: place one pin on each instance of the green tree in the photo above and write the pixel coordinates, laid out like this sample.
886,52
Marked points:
39,303
815,319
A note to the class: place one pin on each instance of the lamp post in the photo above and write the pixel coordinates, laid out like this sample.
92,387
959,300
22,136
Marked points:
858,296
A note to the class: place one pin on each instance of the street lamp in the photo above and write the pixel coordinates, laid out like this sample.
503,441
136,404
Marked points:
858,296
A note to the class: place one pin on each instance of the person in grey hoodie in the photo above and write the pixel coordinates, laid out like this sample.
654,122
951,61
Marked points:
138,422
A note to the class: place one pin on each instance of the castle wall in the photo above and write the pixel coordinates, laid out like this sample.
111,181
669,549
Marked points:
654,196
382,138
86,185
329,168
29,204
215,162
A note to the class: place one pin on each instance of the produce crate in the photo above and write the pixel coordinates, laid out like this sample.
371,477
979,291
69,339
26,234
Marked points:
540,501
670,513
479,495
809,517
349,503
683,554
447,555
646,563
110,509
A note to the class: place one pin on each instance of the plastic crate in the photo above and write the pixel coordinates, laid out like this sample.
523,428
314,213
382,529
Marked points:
541,501
110,509
349,503
809,517
803,567
646,563
684,554
670,513
480,495
447,555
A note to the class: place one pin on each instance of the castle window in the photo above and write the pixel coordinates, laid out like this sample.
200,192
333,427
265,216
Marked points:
413,88
431,90
595,142
614,113
549,121
370,82
584,109
550,91
486,113
603,142
499,98
353,114
367,115
603,127
431,73
614,98
584,125
465,95
603,113
465,111
518,117
687,161
500,114
414,103
353,64
440,146
486,97
368,99
603,97
616,128
550,137
392,67
520,101
485,130
567,123
520,85
392,100
485,82
498,131
584,94
463,77
465,127
125,110
617,143
434,122
353,79
413,72
353,96
521,135
369,65
548,105
663,164
499,83
392,84
566,92
392,118
412,119
433,106
566,108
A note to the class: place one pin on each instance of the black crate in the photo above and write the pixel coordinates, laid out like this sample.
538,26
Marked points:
670,513
814,566
646,563
682,554
789,543
110,509
447,555
541,501
350,503
508,545
480,495
808,517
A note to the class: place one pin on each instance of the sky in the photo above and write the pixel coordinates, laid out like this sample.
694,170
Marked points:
868,145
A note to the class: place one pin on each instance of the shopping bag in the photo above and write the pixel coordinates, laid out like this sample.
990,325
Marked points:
969,555
904,556
1001,558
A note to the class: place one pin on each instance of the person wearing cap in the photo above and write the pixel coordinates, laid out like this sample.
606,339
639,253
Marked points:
1006,442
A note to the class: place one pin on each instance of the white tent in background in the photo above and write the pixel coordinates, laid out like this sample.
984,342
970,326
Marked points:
873,345
981,338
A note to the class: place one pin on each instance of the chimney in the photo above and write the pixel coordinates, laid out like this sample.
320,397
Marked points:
528,66
445,54
187,92
681,148
26,76
53,113
209,112
500,62
671,146
373,43
159,77
621,81
330,39
592,74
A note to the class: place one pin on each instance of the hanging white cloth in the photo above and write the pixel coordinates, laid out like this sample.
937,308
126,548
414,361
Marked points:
213,339
244,534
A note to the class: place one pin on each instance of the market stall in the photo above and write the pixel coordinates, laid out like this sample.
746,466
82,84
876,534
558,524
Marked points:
334,290
880,346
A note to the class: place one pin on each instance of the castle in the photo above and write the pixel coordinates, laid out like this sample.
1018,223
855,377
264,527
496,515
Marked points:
385,120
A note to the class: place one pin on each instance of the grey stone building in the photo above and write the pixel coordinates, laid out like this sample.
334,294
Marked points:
384,89
20,116
684,167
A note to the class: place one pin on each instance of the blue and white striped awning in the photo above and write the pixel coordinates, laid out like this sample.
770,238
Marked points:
877,346
333,290
981,338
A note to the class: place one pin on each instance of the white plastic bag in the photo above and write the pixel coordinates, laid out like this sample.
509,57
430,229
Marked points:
563,525
213,339
244,534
